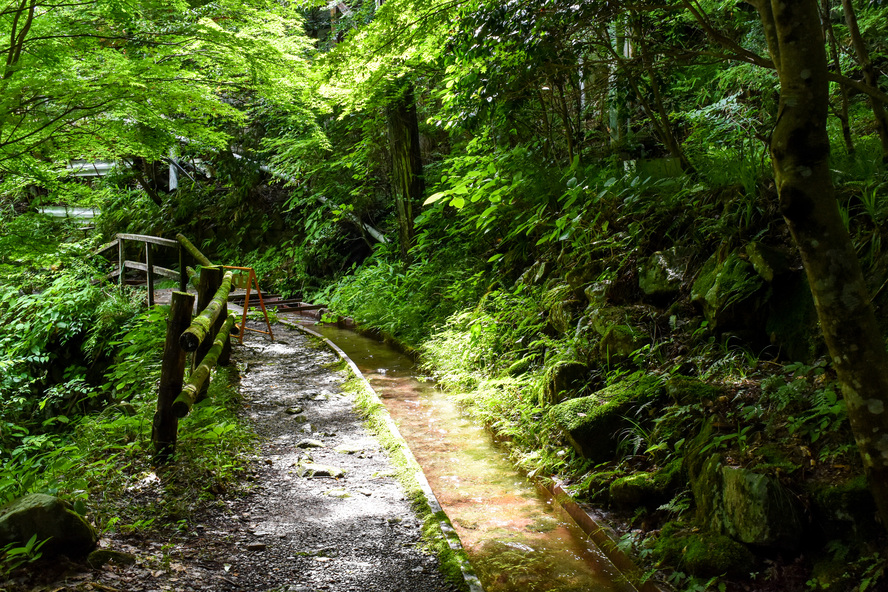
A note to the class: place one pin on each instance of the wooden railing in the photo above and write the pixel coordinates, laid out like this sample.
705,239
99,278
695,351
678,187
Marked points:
151,270
207,336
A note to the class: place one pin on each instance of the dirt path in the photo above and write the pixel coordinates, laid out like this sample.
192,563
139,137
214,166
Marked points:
303,527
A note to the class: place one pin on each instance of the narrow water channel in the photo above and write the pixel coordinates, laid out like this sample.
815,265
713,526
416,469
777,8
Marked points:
515,538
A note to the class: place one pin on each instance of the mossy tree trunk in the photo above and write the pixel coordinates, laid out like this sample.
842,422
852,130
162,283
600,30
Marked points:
408,184
799,151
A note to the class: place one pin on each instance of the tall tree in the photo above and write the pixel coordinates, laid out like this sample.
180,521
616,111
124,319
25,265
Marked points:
799,151
407,180
869,74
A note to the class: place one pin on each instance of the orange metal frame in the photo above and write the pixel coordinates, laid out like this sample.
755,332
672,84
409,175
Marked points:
243,326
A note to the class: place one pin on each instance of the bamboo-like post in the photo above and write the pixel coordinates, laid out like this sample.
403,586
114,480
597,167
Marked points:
199,378
149,263
200,327
172,373
198,256
210,280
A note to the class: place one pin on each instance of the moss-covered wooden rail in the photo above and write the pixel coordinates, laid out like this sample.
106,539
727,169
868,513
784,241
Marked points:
184,335
190,392
201,325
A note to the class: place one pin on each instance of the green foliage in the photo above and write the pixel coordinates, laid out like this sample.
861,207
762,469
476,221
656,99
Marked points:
40,338
425,293
108,80
15,555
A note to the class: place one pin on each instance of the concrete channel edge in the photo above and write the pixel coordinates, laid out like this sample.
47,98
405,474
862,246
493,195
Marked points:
447,530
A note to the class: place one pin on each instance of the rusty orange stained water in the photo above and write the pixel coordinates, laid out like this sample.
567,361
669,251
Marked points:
515,540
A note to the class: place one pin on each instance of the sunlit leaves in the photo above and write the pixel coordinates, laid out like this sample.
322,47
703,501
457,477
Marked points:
109,78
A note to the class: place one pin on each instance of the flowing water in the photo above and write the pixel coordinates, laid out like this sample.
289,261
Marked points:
515,537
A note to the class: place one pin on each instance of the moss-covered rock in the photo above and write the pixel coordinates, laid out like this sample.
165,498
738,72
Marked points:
596,294
563,314
767,261
702,554
831,574
645,489
602,319
687,390
747,506
563,379
520,366
591,423
619,342
619,331
662,273
47,517
598,485
727,291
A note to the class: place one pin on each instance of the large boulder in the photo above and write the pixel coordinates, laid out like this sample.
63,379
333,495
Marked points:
563,379
728,291
747,506
662,273
47,517
592,424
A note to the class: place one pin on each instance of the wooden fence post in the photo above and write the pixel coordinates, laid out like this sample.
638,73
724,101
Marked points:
172,374
149,263
121,258
183,271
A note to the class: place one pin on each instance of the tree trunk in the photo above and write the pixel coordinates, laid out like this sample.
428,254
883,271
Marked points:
837,66
799,151
407,179
869,74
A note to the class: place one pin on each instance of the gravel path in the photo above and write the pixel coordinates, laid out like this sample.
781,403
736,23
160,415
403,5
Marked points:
325,513
355,532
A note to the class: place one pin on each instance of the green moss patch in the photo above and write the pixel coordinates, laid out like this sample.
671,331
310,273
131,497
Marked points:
702,554
646,489
591,423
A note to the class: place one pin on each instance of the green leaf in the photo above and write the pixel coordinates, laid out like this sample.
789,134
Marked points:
435,197
458,203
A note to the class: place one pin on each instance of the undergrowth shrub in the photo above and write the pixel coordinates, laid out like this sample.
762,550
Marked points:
407,303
